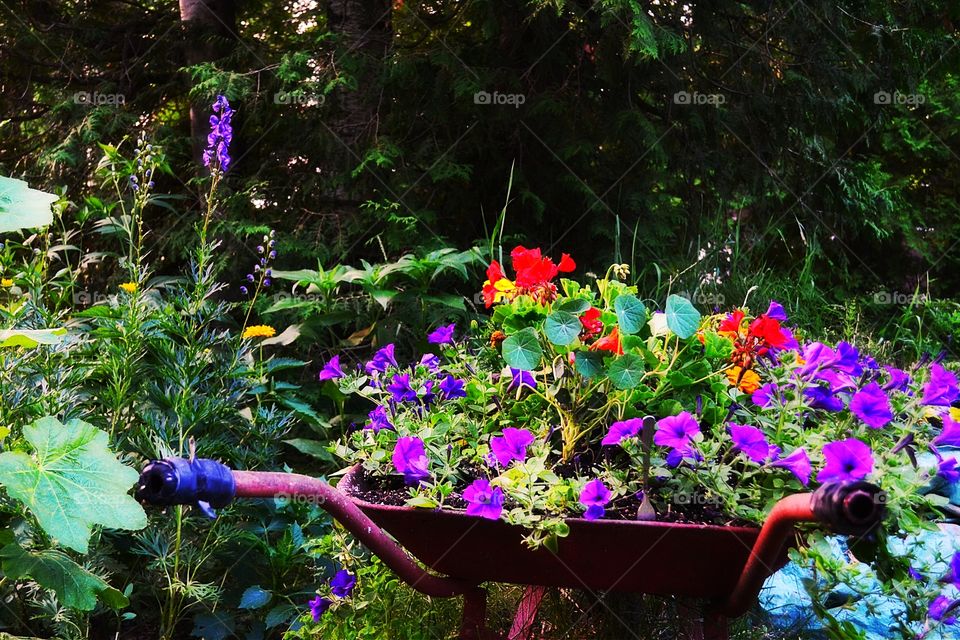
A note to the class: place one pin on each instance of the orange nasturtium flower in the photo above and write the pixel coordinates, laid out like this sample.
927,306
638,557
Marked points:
259,331
749,380
609,343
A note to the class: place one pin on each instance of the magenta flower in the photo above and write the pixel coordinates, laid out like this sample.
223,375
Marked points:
400,388
947,469
426,394
836,380
676,432
594,496
848,359
820,398
899,379
331,370
410,459
482,500
521,378
950,434
938,610
941,390
750,441
442,335
452,388
620,431
816,355
797,463
381,360
847,460
378,420
872,405
512,445
766,394
318,607
343,583
431,362
775,311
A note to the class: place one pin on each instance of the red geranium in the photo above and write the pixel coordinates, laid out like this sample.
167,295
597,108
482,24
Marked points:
592,325
534,277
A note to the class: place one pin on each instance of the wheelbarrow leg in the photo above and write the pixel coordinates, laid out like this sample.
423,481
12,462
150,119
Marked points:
700,623
473,626
714,626
522,626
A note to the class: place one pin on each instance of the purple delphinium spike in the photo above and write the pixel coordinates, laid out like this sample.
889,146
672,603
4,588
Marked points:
331,370
620,431
410,459
594,496
941,390
797,463
872,406
220,136
442,335
512,445
846,460
483,500
751,442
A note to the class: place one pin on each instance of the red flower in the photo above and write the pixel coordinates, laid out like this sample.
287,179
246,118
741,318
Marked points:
566,263
497,285
609,343
731,324
534,276
768,330
592,325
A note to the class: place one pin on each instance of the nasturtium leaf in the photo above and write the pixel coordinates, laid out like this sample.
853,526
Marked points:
682,317
30,338
679,379
71,482
22,207
522,350
631,314
562,328
588,364
255,597
75,587
626,371
717,346
216,625
575,306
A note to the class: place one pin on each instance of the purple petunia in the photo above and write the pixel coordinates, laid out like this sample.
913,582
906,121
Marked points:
220,136
872,406
676,432
848,359
512,445
594,496
482,500
381,360
331,370
949,435
521,378
797,463
426,394
452,388
431,362
379,420
816,356
953,577
938,610
820,398
941,390
836,380
343,583
846,460
410,459
751,442
775,311
400,388
620,431
442,335
766,394
947,469
318,607
899,379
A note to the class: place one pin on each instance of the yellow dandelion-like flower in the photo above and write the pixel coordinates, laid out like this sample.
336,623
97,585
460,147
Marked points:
259,331
6,283
129,287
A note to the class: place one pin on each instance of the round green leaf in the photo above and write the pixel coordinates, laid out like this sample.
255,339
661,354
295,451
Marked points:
562,327
588,364
575,306
626,371
682,317
522,350
631,314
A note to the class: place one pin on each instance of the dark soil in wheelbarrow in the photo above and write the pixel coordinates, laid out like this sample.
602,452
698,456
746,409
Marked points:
694,509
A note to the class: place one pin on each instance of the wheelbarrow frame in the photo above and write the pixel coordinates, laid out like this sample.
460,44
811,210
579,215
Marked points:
848,508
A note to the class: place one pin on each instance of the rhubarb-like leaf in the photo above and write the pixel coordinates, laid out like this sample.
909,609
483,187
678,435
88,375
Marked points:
22,207
71,482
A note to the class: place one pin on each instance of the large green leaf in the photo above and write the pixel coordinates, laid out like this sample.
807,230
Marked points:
22,207
575,306
71,482
626,371
589,364
30,338
76,587
631,314
562,327
682,317
522,350
255,597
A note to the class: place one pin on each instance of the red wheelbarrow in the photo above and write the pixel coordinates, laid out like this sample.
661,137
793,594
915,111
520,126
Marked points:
724,566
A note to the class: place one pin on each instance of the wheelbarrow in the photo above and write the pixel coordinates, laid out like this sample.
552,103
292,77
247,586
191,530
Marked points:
722,566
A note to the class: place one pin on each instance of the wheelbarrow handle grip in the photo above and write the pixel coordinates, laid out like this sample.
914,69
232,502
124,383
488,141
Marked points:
180,481
850,508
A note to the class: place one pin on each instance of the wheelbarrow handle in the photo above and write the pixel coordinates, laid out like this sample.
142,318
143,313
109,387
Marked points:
850,508
212,484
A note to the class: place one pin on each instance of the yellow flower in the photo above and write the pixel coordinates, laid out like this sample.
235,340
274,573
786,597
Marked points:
749,381
6,283
955,414
129,287
260,331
